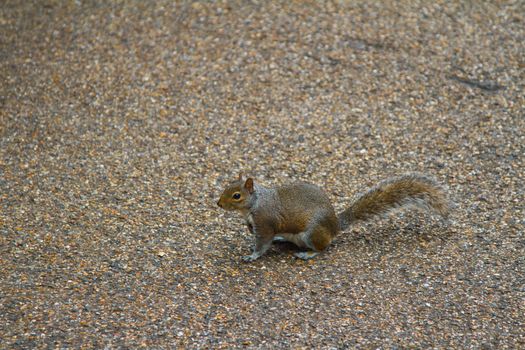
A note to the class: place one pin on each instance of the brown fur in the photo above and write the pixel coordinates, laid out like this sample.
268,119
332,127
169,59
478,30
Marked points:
321,238
298,211
407,190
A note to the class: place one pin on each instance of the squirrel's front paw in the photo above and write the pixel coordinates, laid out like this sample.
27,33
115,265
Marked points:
250,258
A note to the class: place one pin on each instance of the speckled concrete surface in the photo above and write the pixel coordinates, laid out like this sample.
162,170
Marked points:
121,122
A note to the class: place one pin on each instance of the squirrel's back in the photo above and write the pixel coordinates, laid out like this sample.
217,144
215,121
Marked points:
301,203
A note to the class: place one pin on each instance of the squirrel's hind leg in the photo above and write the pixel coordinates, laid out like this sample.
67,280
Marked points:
317,238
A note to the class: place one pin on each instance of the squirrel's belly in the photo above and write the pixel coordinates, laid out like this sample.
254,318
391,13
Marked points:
296,238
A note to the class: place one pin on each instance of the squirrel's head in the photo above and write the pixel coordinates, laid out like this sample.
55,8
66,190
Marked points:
237,195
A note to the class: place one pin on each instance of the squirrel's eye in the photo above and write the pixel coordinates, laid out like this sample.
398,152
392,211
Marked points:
236,195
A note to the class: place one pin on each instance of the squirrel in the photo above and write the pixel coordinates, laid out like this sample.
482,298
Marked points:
301,213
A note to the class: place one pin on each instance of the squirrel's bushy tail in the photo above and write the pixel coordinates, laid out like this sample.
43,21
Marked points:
402,191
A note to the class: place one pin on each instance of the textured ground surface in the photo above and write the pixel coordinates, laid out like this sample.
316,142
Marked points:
120,123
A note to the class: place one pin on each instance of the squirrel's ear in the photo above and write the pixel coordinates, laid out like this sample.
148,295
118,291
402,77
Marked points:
249,184
240,175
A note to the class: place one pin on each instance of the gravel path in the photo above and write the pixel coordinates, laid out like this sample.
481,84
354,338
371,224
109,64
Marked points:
120,123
